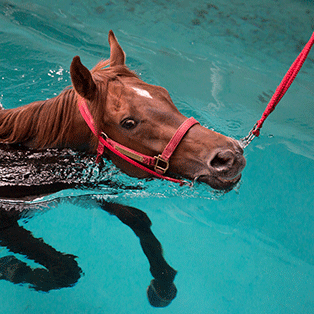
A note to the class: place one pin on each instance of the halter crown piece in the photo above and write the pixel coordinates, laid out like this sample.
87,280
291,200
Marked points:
159,163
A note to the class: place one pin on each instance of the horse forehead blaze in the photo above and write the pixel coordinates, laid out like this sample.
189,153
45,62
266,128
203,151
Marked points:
142,92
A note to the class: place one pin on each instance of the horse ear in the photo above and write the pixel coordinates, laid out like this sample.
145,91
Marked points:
117,55
82,79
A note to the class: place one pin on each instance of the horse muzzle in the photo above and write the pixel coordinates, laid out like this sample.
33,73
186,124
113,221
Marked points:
224,167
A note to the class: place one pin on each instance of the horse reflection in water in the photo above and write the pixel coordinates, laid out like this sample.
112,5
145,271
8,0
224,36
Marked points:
140,117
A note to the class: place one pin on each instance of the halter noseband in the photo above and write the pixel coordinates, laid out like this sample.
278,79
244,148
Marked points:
160,163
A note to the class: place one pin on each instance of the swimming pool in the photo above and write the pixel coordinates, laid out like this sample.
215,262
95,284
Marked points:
248,251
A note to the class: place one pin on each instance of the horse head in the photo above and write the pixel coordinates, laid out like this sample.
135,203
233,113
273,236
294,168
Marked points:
143,118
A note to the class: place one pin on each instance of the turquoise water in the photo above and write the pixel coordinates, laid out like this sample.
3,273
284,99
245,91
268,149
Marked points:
248,251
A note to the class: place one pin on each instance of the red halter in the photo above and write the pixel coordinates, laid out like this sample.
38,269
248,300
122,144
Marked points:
160,162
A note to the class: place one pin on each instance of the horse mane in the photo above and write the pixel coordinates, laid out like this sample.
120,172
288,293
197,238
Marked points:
46,122
49,123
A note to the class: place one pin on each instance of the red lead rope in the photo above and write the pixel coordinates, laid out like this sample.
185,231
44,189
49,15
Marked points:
280,91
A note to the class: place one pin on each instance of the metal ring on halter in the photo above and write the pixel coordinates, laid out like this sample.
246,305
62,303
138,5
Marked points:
104,135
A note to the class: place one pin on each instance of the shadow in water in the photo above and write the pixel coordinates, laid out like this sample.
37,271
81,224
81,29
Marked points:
61,270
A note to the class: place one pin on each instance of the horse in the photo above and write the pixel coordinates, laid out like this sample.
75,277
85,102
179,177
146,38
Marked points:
140,117
112,112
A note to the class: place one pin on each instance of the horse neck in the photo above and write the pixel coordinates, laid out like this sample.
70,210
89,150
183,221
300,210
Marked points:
46,124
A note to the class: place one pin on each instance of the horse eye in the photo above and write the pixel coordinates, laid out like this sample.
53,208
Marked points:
128,124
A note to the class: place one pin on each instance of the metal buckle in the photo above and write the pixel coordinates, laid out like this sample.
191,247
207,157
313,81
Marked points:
161,164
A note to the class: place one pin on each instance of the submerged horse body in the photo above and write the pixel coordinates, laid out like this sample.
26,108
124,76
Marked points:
62,270
133,113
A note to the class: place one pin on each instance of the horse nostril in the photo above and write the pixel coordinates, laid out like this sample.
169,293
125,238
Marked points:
223,160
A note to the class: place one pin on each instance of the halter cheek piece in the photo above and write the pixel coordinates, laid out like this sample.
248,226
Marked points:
159,163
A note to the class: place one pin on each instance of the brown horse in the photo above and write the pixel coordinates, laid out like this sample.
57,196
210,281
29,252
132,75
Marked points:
131,112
